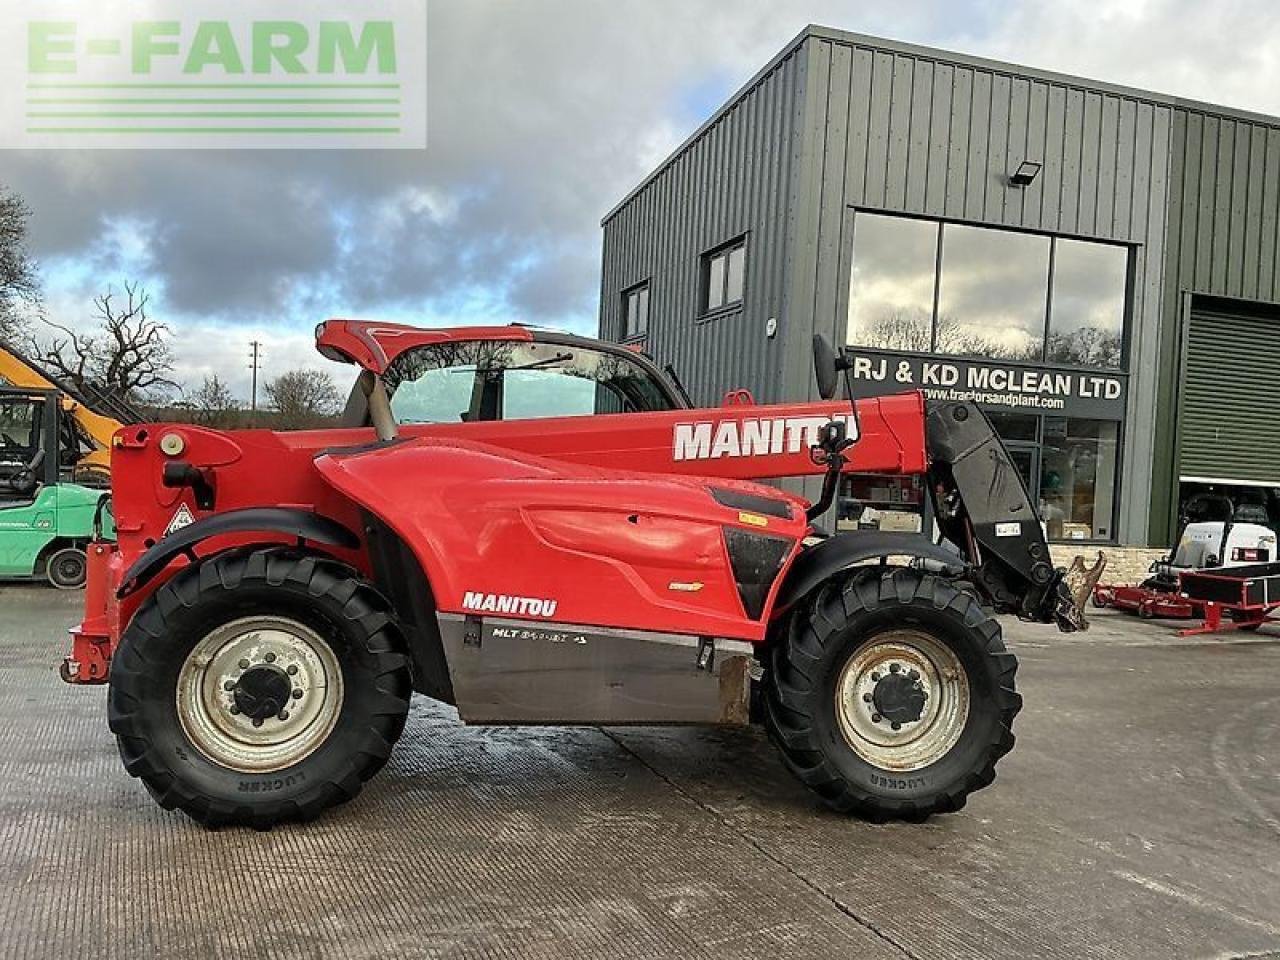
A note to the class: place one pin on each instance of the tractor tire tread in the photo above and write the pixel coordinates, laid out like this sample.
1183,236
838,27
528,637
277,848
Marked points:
805,644
322,577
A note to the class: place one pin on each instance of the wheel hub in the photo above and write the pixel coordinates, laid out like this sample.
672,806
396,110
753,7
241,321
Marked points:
263,691
902,700
260,693
899,698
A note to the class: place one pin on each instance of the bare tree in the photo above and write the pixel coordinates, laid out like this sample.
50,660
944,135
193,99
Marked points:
19,287
212,403
127,355
303,398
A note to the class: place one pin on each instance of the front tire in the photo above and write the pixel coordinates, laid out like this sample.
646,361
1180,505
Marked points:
890,694
257,687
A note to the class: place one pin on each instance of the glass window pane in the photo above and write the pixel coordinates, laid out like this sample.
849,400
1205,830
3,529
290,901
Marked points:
1078,478
1086,321
1014,426
531,394
733,281
992,293
487,380
642,312
636,308
891,283
879,502
715,282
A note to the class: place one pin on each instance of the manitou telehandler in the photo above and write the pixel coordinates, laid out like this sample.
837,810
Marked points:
539,529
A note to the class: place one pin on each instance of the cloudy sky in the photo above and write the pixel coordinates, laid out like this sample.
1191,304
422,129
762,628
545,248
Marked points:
542,114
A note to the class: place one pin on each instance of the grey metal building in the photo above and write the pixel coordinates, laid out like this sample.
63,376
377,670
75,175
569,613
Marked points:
1096,265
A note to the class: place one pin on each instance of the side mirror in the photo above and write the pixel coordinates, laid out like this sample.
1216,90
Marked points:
825,367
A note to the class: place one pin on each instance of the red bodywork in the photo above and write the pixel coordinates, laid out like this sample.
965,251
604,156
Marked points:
611,518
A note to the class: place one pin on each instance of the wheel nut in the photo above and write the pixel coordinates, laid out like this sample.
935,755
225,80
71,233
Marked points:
234,709
297,694
229,685
895,668
257,722
875,677
895,725
913,674
244,663
270,658
866,698
875,718
283,715
293,668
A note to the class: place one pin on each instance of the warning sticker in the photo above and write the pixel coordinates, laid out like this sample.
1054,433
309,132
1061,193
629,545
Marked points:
1011,529
183,518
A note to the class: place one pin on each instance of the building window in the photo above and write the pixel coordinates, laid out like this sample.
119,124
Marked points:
1086,317
931,287
1078,478
1069,466
891,286
723,272
635,312
992,294
869,501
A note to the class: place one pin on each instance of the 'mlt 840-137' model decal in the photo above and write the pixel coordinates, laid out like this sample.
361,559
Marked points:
752,436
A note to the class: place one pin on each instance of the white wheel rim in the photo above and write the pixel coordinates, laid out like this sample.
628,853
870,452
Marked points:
206,697
917,743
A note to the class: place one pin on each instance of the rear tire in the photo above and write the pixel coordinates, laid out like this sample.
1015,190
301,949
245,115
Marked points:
227,750
833,664
67,568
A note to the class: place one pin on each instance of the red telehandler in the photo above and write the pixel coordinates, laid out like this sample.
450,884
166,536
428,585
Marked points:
539,529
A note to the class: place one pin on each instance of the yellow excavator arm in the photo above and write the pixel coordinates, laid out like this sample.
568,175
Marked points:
96,464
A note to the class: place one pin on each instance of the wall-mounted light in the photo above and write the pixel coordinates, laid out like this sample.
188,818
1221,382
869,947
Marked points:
1025,173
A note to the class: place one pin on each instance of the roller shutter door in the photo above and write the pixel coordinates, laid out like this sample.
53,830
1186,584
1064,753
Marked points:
1231,399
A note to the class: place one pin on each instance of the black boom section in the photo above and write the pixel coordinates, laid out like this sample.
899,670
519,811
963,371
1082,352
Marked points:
275,520
817,563
984,509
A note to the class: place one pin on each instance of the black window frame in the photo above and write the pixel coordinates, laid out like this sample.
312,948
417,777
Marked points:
721,252
629,335
850,254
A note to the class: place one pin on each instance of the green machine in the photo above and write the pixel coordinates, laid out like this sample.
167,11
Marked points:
45,520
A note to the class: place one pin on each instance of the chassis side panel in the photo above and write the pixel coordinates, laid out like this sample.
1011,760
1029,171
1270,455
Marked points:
513,671
497,533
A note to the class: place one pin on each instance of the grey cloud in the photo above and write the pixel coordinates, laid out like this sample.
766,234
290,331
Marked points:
541,115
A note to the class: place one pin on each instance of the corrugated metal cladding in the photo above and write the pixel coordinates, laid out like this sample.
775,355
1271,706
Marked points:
1230,417
840,122
1223,240
733,178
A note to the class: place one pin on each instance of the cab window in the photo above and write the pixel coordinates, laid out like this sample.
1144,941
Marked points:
503,380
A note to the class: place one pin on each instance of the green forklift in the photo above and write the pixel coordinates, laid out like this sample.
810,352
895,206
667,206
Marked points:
46,520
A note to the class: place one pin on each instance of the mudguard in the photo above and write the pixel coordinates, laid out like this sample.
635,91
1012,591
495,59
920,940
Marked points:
817,563
275,520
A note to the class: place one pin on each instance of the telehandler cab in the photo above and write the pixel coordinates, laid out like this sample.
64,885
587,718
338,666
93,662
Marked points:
538,529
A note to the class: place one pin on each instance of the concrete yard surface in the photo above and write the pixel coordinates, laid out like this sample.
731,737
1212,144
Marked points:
1138,816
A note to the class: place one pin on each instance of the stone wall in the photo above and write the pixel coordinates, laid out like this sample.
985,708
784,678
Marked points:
1124,564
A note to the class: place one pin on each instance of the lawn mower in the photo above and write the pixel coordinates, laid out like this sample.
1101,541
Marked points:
1210,540
539,529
